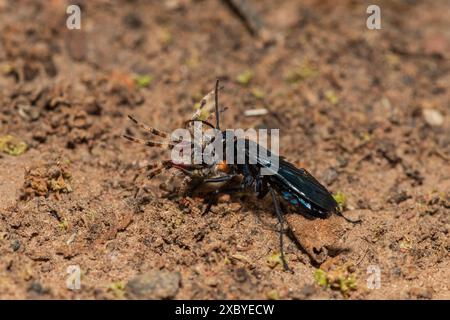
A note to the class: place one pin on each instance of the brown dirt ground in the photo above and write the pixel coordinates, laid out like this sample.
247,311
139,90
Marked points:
366,112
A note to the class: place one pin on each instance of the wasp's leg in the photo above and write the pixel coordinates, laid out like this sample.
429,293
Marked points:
280,230
248,178
261,187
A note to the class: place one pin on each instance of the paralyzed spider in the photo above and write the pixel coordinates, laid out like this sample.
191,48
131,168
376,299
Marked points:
197,174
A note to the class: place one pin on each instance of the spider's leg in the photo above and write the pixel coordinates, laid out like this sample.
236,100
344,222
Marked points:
152,130
280,230
157,168
155,172
151,143
147,167
148,129
219,179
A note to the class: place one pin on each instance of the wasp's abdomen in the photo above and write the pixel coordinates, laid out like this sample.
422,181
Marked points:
294,200
299,202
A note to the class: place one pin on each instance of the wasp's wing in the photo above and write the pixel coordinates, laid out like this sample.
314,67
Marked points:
297,180
306,185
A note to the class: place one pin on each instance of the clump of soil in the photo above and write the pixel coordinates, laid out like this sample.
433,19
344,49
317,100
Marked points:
46,179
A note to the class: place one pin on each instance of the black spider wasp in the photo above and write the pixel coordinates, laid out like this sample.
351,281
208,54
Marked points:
295,185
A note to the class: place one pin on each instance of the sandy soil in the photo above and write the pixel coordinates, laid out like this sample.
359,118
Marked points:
365,111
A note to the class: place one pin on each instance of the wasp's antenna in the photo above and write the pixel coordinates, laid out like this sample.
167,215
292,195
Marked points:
216,96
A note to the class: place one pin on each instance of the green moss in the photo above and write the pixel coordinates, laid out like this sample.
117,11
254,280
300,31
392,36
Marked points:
245,77
258,93
117,289
341,200
405,244
274,260
143,81
320,278
345,283
392,60
166,36
63,225
331,97
12,145
273,295
302,72
365,136
340,279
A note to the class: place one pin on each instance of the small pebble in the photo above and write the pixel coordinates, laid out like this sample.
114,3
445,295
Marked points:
224,198
255,112
15,245
421,293
241,275
433,117
398,196
211,281
235,206
308,290
37,287
160,284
